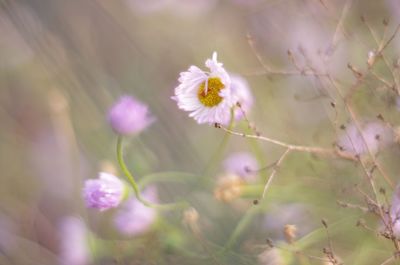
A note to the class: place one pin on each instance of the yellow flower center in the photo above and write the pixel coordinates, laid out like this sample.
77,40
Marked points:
211,97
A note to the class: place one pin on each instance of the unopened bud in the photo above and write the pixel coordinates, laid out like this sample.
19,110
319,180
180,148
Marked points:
356,72
371,58
191,220
290,233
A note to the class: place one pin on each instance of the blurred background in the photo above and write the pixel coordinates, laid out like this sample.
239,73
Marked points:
64,63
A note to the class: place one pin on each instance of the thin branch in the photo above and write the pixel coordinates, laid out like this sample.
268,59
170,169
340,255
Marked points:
269,71
388,261
301,148
390,39
356,123
277,165
339,26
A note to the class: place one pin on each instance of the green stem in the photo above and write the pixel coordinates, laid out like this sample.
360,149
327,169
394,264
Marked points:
240,227
166,177
217,156
131,179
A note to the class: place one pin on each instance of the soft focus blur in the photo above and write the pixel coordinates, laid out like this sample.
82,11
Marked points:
63,64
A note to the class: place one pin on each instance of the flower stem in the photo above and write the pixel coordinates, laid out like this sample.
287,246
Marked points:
217,156
240,227
131,179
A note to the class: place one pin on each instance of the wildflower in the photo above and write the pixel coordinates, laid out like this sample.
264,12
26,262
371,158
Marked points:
206,95
103,193
242,164
242,95
129,116
134,217
74,248
229,187
374,136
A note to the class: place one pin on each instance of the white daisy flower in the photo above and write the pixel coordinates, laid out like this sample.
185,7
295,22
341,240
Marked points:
206,95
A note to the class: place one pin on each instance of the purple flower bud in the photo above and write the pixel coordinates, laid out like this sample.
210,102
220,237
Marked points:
129,116
74,249
134,218
103,193
242,164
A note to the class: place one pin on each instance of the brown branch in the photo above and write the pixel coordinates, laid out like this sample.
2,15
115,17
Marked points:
277,165
292,147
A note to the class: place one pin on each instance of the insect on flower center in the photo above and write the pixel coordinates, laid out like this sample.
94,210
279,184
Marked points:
211,97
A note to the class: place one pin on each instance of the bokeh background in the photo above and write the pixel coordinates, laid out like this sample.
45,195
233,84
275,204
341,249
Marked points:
64,63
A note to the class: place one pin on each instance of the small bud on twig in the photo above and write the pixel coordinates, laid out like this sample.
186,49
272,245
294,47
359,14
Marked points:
385,22
361,223
371,58
323,221
356,73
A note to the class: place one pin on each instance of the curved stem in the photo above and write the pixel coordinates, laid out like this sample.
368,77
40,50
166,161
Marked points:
131,179
125,170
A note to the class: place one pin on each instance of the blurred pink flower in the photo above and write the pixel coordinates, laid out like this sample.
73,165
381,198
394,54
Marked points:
134,218
241,91
242,164
103,193
129,116
374,135
74,249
